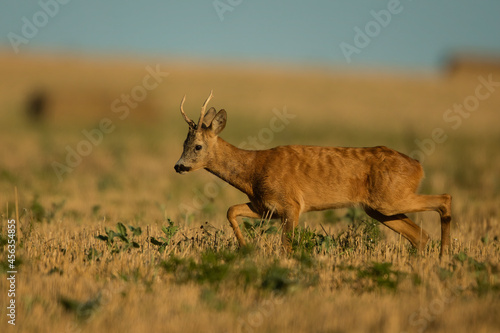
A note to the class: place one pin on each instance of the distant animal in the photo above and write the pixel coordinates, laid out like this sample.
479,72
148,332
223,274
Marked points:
287,181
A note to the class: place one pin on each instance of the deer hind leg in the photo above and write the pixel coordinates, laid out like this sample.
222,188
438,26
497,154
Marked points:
401,224
419,203
441,204
240,210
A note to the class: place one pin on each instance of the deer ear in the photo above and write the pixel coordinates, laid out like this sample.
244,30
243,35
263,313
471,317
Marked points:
209,116
219,122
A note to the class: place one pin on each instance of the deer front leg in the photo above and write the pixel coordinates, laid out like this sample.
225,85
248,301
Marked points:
289,221
240,210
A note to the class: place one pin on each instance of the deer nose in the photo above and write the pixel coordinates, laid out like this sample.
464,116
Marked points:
179,168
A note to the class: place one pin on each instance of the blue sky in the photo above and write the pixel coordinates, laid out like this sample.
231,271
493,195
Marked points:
419,34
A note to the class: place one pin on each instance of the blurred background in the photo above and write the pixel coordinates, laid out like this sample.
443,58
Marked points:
89,97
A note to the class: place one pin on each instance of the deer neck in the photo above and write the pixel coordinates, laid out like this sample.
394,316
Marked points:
233,165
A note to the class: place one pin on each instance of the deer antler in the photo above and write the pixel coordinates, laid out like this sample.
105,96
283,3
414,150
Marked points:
186,118
203,108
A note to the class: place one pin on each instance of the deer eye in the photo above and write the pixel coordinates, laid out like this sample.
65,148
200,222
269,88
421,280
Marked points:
198,147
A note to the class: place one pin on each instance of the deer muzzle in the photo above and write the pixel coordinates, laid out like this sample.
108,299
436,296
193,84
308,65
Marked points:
181,168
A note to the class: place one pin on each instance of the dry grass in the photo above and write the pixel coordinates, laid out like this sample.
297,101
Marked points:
346,274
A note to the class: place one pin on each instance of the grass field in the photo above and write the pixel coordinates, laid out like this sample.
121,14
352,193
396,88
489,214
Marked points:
111,239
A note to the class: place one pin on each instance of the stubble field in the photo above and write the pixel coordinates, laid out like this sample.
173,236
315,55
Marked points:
111,239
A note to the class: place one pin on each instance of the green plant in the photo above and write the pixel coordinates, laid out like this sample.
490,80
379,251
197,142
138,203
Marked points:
364,232
37,210
330,216
371,231
122,235
92,254
39,213
353,215
209,297
486,275
303,239
255,228
169,232
82,310
277,278
5,265
307,240
212,268
247,274
382,275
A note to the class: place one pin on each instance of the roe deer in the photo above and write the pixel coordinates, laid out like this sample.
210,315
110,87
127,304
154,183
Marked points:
290,180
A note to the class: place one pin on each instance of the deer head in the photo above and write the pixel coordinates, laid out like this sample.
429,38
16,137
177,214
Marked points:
201,139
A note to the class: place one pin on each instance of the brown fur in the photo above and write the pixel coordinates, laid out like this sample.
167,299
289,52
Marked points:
291,180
